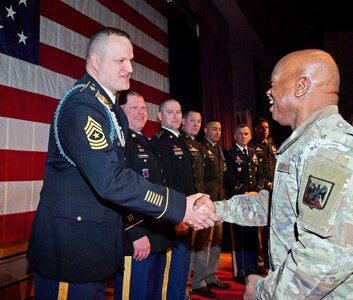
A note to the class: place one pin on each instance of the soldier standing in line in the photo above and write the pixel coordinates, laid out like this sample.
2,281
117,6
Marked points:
191,125
206,256
243,175
177,168
266,151
146,239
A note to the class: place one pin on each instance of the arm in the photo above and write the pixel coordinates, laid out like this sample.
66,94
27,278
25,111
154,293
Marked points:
248,210
84,131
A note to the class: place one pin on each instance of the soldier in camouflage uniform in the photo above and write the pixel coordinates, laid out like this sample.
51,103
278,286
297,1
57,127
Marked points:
311,216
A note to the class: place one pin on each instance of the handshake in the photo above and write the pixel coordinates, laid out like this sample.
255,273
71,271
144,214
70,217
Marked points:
200,212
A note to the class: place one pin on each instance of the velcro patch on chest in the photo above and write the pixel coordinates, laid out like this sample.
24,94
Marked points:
322,183
95,134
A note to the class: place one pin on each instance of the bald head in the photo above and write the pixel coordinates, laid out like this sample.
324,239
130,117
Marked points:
303,82
318,66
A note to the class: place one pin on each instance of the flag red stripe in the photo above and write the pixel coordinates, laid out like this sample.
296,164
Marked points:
15,227
67,16
25,105
34,107
73,66
151,128
159,6
150,61
151,94
21,165
61,62
70,18
138,20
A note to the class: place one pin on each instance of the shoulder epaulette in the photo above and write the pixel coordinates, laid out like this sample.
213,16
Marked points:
89,87
159,134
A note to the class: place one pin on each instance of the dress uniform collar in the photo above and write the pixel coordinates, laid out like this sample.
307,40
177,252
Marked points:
109,93
186,135
242,148
176,133
213,144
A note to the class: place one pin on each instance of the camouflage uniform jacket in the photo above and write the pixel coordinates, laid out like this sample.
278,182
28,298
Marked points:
311,240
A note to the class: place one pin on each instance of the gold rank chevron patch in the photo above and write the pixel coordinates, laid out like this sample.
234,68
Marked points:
95,134
154,198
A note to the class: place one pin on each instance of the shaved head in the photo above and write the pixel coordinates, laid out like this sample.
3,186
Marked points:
301,83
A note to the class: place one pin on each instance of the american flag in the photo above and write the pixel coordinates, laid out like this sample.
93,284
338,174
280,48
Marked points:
42,51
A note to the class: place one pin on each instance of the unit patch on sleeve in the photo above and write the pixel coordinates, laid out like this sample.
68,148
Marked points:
317,192
95,134
322,184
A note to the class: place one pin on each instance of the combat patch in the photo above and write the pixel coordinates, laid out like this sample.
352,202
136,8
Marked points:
95,134
323,181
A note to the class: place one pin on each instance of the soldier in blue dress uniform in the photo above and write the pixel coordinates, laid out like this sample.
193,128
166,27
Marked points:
243,175
76,239
178,173
146,239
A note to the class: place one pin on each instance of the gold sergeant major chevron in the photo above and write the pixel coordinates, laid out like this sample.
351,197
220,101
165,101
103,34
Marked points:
154,198
95,134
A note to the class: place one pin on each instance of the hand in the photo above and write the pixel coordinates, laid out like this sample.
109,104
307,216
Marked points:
204,201
250,287
200,216
251,193
181,229
142,248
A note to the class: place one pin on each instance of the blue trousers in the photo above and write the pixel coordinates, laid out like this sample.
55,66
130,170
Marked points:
179,268
246,246
141,280
47,289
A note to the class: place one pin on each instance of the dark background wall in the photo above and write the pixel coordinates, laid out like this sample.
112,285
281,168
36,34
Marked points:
260,32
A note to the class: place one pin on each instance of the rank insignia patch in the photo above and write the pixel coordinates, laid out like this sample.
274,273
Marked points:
95,134
317,192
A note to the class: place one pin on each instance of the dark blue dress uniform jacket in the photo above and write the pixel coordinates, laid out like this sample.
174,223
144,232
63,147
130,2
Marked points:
198,163
244,173
141,158
76,235
176,161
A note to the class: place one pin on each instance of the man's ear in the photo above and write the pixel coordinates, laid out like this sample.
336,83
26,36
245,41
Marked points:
159,115
94,61
302,86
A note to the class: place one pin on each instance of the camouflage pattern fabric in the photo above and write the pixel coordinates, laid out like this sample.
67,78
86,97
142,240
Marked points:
311,235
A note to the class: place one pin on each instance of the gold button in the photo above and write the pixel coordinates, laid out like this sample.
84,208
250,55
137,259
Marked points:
79,218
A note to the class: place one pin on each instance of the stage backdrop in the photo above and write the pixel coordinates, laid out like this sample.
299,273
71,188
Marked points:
42,54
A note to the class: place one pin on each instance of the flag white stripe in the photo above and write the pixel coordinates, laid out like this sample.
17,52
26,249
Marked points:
36,79
149,13
19,196
33,136
33,78
60,37
103,15
30,136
